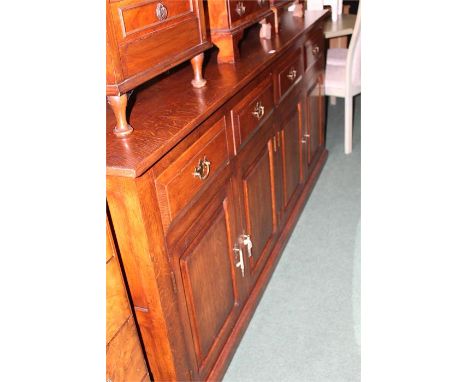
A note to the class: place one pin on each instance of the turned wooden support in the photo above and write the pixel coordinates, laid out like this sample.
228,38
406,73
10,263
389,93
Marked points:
228,46
298,9
118,104
265,30
197,64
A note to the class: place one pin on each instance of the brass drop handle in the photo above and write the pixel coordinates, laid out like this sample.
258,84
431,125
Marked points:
315,50
240,263
292,74
259,110
161,11
261,2
202,170
240,8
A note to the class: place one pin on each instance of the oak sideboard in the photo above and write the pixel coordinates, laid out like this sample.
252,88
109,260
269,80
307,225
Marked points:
205,192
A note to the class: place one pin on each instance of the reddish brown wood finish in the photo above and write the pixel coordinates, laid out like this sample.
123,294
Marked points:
145,38
228,19
180,236
124,356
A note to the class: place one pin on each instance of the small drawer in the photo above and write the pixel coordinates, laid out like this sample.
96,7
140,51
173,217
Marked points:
186,170
289,73
314,47
254,108
239,10
134,18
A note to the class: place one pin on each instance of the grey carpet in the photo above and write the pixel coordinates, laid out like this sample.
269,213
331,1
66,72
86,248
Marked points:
306,327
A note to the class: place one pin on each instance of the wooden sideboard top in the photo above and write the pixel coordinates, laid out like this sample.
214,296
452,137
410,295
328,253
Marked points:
168,108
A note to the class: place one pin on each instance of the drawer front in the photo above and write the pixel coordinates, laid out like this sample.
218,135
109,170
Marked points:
124,356
149,33
241,11
254,108
314,47
289,73
190,170
135,18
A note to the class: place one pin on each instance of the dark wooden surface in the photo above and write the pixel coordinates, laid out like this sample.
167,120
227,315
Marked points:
158,117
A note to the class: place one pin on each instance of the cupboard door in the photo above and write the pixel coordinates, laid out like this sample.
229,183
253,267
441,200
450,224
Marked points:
312,137
291,150
256,179
209,272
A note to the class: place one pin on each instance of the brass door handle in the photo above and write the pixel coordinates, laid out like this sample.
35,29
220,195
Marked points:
161,11
202,170
292,74
240,8
259,110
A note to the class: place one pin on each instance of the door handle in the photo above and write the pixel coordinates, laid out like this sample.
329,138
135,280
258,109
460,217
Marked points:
247,242
240,263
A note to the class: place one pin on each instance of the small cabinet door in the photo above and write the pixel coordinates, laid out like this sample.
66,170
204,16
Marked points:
209,273
256,182
313,136
291,146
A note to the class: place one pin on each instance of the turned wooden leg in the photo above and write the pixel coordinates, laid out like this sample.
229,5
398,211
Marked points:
228,46
265,30
298,9
197,64
119,107
277,14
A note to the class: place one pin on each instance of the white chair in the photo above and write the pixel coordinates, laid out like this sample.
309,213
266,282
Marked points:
343,78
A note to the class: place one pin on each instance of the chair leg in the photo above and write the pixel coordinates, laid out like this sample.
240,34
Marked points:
348,133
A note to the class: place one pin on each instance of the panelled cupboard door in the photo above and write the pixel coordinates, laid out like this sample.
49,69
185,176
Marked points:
290,137
209,271
313,135
256,180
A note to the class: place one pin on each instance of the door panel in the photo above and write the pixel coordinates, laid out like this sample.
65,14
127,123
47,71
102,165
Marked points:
291,151
313,125
256,179
209,278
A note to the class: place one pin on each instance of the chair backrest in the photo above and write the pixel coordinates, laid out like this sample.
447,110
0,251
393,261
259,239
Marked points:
353,59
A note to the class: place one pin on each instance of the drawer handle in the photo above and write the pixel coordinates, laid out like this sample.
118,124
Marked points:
259,110
261,3
292,74
315,50
203,169
240,8
161,11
